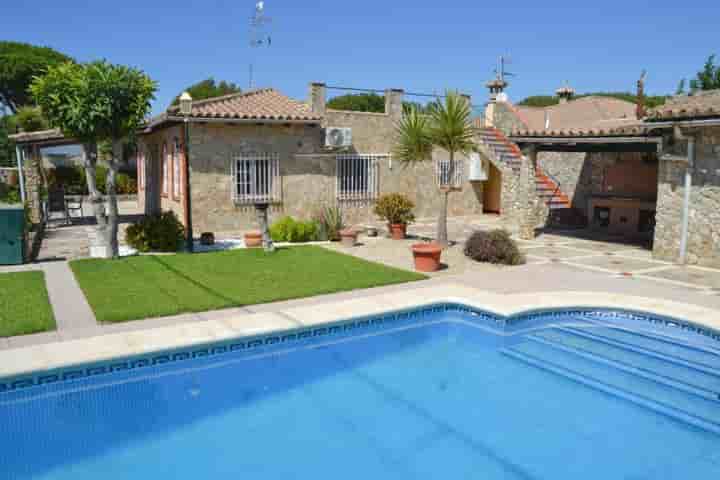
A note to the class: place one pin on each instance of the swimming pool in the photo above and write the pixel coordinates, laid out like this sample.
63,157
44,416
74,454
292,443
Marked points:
443,392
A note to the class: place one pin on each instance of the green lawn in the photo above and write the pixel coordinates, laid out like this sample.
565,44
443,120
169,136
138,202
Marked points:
24,304
151,286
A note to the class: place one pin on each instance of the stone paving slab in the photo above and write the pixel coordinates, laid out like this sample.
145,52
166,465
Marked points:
694,276
614,263
552,252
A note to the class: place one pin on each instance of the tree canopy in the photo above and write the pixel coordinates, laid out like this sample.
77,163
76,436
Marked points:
7,149
19,63
368,102
651,101
708,78
95,101
209,88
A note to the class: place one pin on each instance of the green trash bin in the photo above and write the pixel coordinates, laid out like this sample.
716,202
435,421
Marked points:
12,235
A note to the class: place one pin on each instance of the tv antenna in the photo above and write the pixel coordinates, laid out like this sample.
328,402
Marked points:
500,71
259,34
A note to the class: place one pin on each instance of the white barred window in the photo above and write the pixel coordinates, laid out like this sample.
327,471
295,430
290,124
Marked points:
357,176
256,178
447,177
176,169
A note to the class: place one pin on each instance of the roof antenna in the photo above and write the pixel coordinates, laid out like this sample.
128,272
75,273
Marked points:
259,34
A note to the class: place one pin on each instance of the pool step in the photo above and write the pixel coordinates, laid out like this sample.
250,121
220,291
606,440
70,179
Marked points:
677,374
677,403
652,344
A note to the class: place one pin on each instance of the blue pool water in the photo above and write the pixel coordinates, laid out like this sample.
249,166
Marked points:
436,395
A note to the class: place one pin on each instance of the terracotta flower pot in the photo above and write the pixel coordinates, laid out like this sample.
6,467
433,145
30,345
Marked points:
427,256
348,237
397,231
253,239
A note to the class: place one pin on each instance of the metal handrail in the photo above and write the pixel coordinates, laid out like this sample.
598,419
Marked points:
555,181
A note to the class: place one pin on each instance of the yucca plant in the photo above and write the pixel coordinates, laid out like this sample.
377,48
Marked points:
446,125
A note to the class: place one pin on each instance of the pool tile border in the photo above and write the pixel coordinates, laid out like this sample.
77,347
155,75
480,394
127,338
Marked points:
63,361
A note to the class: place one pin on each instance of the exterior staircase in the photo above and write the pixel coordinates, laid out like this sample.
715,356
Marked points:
508,156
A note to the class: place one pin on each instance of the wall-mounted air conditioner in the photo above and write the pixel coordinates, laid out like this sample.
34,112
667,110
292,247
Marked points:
478,169
338,137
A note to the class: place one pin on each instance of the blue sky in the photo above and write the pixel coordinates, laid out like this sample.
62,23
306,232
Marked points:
418,46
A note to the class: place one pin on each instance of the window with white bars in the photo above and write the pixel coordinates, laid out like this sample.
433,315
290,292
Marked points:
176,169
141,168
256,178
165,170
357,176
447,175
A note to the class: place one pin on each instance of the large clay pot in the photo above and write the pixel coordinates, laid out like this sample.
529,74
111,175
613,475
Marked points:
348,237
397,231
253,239
427,256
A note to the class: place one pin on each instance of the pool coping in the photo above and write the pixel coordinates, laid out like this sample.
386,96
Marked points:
64,354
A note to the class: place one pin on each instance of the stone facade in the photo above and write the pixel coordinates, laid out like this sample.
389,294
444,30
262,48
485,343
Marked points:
152,146
308,170
704,226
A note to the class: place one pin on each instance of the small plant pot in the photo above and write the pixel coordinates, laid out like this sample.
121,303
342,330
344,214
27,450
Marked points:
207,238
348,238
427,256
253,239
397,231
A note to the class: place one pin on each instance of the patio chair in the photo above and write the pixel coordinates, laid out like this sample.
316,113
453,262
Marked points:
58,204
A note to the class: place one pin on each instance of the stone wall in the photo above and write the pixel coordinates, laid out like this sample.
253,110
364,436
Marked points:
704,224
308,175
152,150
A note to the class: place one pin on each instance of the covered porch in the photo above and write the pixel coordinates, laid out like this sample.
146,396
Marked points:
617,184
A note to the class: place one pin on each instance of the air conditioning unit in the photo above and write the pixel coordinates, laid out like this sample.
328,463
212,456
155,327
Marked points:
478,169
338,137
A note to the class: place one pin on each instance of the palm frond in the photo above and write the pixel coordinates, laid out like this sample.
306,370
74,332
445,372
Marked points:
451,124
412,139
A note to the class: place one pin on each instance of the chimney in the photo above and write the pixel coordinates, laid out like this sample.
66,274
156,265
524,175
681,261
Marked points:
393,102
565,93
496,87
640,108
317,98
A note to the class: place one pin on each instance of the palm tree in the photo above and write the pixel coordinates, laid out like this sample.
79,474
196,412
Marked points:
446,125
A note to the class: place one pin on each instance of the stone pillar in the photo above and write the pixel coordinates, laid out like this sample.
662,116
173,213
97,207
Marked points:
526,193
393,103
33,183
318,92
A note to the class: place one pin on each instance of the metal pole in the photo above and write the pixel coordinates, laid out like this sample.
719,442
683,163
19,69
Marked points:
686,200
19,152
188,197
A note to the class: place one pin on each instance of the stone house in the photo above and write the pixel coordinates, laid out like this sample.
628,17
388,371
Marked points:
263,146
612,166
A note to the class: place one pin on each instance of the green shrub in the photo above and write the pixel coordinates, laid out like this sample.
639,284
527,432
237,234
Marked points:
161,232
395,208
71,178
494,246
125,184
330,222
287,229
9,193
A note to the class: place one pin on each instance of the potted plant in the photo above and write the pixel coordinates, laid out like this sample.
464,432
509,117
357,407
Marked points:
396,209
348,237
253,239
427,256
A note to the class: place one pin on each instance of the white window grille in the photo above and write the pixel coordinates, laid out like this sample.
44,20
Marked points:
176,168
357,176
141,169
165,170
256,178
449,177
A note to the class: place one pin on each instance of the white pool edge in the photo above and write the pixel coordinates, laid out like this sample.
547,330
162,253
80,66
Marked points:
22,361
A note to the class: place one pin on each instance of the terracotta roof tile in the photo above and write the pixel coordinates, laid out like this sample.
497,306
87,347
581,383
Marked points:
698,105
262,104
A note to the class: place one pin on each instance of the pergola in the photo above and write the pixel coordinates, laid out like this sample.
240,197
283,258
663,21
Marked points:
27,152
